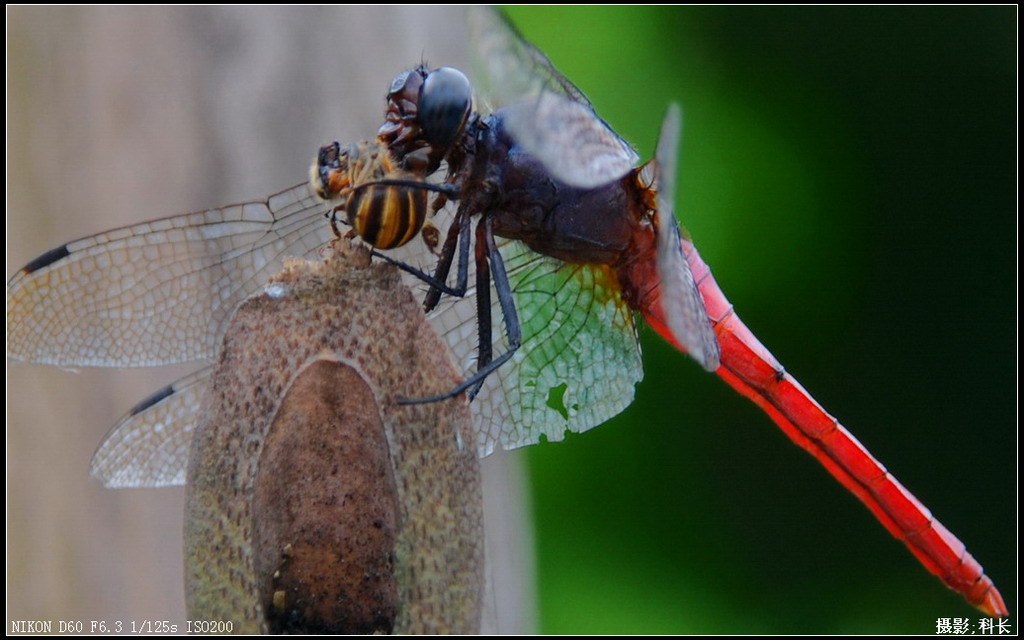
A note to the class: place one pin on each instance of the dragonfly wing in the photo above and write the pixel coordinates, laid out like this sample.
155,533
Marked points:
547,115
158,292
573,144
149,447
580,357
682,304
506,67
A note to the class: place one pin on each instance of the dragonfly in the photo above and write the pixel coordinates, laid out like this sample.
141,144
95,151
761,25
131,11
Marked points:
695,266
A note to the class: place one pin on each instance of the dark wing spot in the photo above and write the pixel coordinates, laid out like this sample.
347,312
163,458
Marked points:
48,258
152,400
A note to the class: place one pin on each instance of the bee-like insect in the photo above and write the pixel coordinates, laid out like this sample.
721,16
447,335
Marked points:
381,185
384,205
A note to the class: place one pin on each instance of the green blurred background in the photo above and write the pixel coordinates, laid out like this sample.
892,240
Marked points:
849,174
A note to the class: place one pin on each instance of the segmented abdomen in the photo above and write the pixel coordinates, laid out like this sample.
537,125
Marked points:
387,216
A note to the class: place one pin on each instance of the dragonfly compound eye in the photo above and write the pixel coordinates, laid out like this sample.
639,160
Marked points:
445,100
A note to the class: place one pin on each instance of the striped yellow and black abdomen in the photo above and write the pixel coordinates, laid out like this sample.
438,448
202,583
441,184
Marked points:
387,216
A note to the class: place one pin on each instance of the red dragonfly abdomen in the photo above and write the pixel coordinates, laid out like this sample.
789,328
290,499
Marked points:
748,367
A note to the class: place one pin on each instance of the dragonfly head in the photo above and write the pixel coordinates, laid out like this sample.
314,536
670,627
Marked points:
426,114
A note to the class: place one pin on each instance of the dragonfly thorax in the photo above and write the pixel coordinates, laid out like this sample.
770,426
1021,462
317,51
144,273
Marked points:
574,224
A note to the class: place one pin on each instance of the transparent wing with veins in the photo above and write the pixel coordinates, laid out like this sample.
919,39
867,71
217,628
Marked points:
579,361
683,305
149,447
546,114
158,292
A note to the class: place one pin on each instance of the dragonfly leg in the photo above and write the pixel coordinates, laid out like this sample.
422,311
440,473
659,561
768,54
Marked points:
442,188
458,236
435,284
485,344
437,281
513,330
